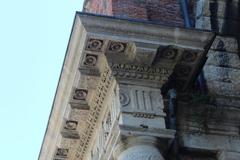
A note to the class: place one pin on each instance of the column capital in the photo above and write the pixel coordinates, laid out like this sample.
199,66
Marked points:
141,148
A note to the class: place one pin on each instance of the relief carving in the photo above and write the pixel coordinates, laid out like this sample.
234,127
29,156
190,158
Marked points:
143,156
62,153
129,71
136,68
94,45
106,80
80,94
142,102
144,115
70,130
169,53
124,98
117,47
71,125
189,56
90,60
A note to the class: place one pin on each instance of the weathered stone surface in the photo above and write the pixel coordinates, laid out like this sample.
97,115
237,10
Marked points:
205,23
227,44
224,89
222,74
231,102
221,7
210,142
209,119
70,129
223,59
228,155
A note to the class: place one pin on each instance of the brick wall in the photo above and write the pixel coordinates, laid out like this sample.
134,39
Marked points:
162,11
103,7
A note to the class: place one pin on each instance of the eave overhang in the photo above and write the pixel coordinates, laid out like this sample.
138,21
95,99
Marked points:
136,51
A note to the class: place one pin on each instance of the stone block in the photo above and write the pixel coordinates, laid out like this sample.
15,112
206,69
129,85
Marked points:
224,89
231,102
205,23
143,122
141,101
222,74
70,129
206,7
227,44
228,155
209,142
223,59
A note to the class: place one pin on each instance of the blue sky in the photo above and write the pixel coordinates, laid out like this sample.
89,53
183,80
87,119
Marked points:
34,37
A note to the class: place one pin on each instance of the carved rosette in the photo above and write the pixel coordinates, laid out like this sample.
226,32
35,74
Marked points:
80,94
61,153
70,129
78,98
71,125
90,60
169,53
189,56
117,47
94,45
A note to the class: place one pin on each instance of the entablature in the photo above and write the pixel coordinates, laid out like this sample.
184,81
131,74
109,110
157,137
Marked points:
105,53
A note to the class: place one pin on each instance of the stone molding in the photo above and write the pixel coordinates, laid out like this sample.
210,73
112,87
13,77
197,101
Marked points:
96,109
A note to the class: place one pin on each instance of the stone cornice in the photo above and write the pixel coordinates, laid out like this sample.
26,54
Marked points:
65,83
153,32
150,50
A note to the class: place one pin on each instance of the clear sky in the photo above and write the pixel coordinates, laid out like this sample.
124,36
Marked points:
33,37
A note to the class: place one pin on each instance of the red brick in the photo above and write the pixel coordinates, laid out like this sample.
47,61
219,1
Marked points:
163,11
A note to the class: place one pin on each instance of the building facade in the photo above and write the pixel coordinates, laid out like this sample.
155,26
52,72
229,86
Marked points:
149,80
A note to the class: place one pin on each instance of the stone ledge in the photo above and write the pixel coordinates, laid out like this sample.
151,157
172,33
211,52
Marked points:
209,142
137,131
